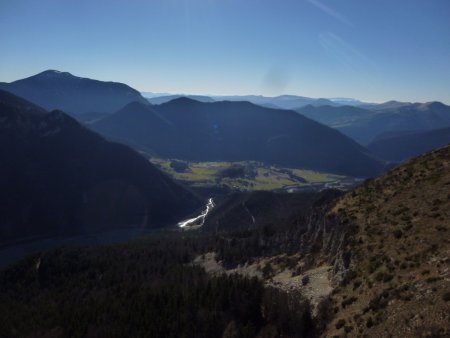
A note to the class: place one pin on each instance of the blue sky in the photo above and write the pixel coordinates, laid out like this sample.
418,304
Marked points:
371,50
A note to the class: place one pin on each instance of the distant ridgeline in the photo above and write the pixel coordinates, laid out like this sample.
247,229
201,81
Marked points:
368,123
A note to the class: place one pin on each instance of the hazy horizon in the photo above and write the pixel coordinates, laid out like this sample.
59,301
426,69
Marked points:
373,52
158,94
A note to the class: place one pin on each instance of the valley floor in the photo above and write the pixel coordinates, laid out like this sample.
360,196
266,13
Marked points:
250,175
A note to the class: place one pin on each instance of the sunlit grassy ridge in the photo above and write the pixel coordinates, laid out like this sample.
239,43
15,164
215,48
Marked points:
399,281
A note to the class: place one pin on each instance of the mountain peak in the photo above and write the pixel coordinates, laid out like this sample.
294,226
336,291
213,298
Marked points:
54,73
432,105
182,100
54,89
50,76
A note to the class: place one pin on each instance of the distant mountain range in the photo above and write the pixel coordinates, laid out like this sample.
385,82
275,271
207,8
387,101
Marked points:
289,101
233,131
75,95
336,117
361,121
283,101
364,125
99,104
58,178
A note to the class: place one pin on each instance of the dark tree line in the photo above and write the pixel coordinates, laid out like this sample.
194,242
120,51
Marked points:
148,288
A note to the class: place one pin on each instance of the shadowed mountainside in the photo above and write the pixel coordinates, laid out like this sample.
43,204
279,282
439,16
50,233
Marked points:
405,146
235,131
58,177
258,209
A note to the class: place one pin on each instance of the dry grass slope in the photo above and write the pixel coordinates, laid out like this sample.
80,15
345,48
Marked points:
399,282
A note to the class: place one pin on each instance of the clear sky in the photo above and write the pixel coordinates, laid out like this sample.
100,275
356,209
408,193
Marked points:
374,50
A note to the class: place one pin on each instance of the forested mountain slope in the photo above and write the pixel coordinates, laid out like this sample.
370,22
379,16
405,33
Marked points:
60,178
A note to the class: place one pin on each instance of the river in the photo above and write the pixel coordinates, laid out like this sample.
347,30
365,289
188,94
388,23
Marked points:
200,219
14,252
